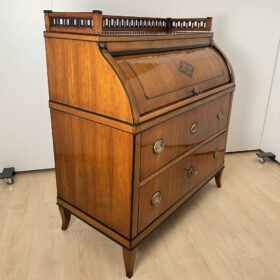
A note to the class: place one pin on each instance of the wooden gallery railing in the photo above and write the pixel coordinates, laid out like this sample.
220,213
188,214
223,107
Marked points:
96,23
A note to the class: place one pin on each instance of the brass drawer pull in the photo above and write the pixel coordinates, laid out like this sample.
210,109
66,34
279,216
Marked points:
158,146
194,128
156,199
216,153
220,114
192,171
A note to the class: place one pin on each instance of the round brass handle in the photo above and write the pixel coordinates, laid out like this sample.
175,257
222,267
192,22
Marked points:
156,199
192,171
220,114
216,153
158,146
194,127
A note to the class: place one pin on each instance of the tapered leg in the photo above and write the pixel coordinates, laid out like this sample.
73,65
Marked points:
218,178
65,216
129,260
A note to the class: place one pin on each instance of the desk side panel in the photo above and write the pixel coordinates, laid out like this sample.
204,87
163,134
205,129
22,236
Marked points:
79,76
94,169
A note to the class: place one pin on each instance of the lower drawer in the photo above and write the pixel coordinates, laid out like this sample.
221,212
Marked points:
164,190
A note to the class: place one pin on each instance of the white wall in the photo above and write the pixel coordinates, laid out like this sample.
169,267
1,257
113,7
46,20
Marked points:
25,134
270,141
246,30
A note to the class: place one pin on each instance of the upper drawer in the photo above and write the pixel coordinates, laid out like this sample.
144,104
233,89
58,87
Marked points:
162,143
161,79
163,191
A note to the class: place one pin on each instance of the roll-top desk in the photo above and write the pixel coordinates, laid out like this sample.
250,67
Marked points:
140,111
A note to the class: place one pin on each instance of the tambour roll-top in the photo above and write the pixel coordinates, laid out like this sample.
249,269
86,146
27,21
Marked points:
140,109
157,80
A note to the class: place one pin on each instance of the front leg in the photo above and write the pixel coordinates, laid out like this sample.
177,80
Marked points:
129,260
65,216
218,178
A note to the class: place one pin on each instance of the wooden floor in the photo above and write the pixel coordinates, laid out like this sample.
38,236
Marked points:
228,233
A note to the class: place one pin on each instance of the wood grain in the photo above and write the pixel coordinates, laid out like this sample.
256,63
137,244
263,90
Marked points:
129,260
84,167
65,217
112,45
129,37
157,81
136,128
93,117
218,179
177,136
112,234
177,181
76,79
178,105
180,157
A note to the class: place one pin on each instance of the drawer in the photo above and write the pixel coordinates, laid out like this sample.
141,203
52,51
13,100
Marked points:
164,190
164,142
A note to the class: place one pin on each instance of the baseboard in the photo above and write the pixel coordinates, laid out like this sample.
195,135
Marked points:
244,151
35,170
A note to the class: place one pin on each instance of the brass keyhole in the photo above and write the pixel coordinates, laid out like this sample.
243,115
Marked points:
196,91
192,171
194,127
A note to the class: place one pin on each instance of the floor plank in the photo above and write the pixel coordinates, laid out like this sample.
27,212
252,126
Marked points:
229,233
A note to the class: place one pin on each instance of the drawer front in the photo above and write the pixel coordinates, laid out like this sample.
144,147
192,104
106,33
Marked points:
166,141
164,190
